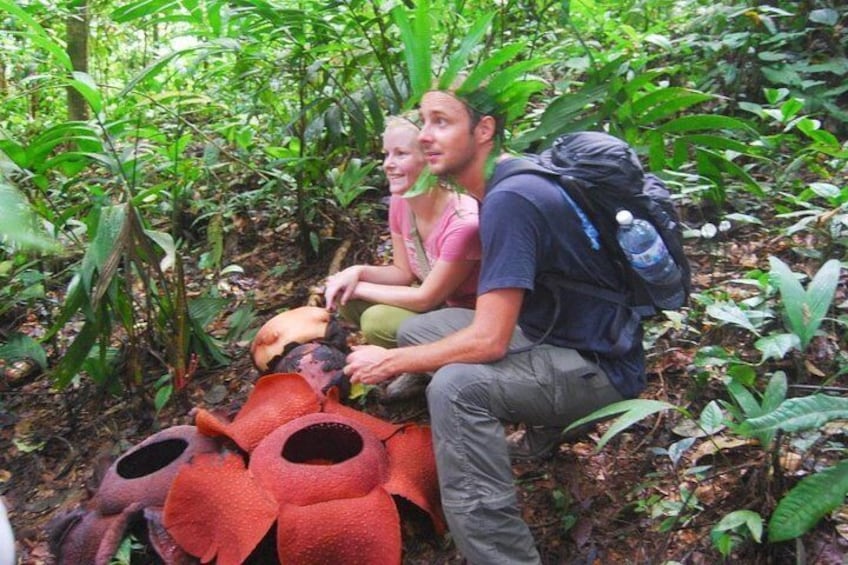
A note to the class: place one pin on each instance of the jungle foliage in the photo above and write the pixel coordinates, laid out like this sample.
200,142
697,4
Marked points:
201,112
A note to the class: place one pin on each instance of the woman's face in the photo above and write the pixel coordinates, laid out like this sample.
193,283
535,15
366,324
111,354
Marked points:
403,159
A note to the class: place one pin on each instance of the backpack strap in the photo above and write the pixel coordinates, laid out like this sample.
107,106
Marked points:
557,281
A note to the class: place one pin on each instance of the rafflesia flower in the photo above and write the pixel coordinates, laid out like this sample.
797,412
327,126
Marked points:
323,472
133,488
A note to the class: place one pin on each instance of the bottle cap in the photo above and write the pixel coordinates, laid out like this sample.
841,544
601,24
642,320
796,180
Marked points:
624,217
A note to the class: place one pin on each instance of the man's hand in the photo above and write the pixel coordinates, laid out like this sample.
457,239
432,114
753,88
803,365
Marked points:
367,365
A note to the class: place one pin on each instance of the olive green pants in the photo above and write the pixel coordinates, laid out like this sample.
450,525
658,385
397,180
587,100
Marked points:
379,322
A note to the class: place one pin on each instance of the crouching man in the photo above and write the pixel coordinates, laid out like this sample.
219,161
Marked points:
490,365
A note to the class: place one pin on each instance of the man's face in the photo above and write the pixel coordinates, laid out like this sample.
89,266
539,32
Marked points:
446,136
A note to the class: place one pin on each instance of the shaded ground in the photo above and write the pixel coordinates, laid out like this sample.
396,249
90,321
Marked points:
613,506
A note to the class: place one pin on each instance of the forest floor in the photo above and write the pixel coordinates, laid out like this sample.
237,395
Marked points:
583,506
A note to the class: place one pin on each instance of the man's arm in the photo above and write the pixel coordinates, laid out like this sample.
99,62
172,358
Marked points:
485,340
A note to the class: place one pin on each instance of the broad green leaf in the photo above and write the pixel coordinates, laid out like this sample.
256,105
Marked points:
85,85
21,346
460,57
156,66
748,518
664,103
712,418
805,310
18,222
777,346
701,122
808,502
416,48
76,354
632,411
163,394
141,8
731,313
825,16
775,392
166,242
485,68
743,397
205,309
108,238
799,414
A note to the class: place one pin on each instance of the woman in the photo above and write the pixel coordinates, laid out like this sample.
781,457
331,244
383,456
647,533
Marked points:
436,249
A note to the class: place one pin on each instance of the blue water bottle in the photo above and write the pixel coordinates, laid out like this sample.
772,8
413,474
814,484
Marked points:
650,259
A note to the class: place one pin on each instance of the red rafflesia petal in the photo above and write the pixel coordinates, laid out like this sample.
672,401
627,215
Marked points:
215,508
380,428
275,400
352,531
412,471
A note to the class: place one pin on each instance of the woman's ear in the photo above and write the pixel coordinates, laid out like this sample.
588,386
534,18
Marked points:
485,129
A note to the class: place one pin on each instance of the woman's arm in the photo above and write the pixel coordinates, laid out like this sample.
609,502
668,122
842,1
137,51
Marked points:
342,285
444,278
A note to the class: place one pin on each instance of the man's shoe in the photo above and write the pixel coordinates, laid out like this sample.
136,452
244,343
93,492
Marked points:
534,443
405,387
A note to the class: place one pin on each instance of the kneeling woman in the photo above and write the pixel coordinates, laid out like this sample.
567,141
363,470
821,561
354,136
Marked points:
436,248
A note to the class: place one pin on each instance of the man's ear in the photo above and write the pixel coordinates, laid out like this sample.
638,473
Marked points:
485,129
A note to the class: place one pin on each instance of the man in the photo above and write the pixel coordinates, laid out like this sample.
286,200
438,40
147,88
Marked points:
487,367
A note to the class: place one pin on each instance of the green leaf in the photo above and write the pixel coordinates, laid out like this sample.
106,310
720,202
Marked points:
633,411
777,346
731,313
18,222
76,354
21,346
808,502
799,414
488,66
743,397
702,122
748,518
775,392
460,57
141,8
825,16
664,103
163,394
85,85
805,310
712,418
166,242
205,309
416,49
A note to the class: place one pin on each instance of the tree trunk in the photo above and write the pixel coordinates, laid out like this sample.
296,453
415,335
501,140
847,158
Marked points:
77,37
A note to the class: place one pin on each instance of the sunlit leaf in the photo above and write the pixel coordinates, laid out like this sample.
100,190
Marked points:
731,313
777,346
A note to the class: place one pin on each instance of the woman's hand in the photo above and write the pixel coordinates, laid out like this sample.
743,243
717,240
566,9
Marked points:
344,283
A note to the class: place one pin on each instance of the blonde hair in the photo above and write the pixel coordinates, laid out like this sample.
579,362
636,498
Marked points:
400,121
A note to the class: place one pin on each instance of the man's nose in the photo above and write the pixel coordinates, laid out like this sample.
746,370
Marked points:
424,137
